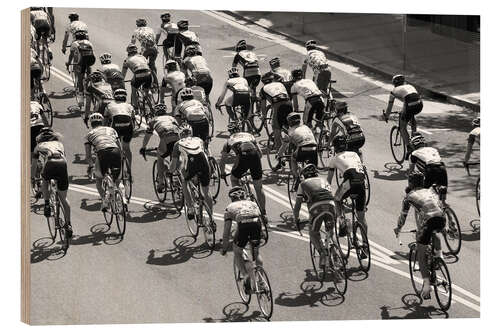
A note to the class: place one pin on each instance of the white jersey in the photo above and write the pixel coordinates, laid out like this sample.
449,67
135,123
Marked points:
400,92
425,156
165,29
145,36
305,88
346,160
177,80
76,26
316,59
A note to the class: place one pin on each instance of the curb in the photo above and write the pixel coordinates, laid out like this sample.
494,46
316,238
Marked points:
434,94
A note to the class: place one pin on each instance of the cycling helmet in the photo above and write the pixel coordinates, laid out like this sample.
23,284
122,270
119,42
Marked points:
293,119
297,74
185,130
160,109
197,50
183,24
398,80
311,44
96,118
233,127
341,107
267,77
237,193
309,171
186,94
476,122
131,48
171,65
120,94
35,8
415,179
73,16
233,72
105,58
274,62
241,45
190,51
96,76
340,143
165,17
141,22
45,134
80,35
417,140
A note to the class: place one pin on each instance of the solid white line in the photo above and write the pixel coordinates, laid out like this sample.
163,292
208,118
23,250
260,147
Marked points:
62,78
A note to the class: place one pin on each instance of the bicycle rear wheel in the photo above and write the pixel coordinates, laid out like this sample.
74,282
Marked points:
257,120
214,177
117,206
315,257
45,60
414,268
292,189
398,148
240,284
176,192
161,196
362,246
192,224
442,284
271,152
451,232
264,234
264,295
337,269
155,88
367,186
323,147
51,220
126,179
343,241
478,196
208,226
47,107
136,119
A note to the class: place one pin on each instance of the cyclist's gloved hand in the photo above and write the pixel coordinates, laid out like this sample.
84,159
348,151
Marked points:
67,66
86,121
89,168
142,151
63,51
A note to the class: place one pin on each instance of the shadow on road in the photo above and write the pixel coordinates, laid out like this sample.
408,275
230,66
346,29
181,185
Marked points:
153,212
67,92
236,312
412,309
393,171
43,249
181,253
474,233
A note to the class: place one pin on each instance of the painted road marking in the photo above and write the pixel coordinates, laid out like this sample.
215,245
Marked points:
430,107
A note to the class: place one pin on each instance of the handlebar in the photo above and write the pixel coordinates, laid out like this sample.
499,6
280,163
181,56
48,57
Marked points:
466,166
148,150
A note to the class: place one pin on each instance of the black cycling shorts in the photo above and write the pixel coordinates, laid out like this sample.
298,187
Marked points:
197,165
317,215
317,107
246,232
283,109
356,188
435,174
200,128
243,99
425,233
413,105
35,130
57,169
124,127
168,150
168,42
248,160
355,142
323,79
42,28
253,81
205,81
110,158
307,154
142,78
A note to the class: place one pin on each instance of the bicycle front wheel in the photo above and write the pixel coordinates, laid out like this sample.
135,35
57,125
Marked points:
315,257
127,179
191,224
155,88
337,269
240,284
214,177
161,196
442,284
264,234
323,147
264,292
292,189
362,246
367,186
451,232
118,208
271,152
398,148
414,268
478,196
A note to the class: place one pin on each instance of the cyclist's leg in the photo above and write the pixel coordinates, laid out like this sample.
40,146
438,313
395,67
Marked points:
261,197
163,91
276,127
314,233
403,123
238,260
307,116
204,179
63,198
293,163
208,197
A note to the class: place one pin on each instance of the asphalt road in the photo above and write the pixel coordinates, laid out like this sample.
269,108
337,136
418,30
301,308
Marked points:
160,274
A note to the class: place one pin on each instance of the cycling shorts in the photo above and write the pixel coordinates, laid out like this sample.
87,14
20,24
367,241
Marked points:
253,80
249,231
165,148
243,99
280,111
322,211
205,81
57,169
413,105
200,128
316,106
197,165
42,28
248,160
435,174
355,142
168,42
142,78
424,232
323,79
307,154
35,130
109,158
353,186
124,127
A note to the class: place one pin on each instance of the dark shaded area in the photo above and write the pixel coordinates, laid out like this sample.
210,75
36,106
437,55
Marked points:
183,251
413,309
236,312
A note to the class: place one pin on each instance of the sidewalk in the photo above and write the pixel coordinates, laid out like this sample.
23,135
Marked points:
439,66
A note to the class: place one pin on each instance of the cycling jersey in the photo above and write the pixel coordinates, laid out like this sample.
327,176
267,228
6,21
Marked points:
39,15
474,135
197,65
102,137
249,61
284,74
186,147
424,157
242,211
355,136
426,203
241,143
76,26
237,84
177,80
165,126
101,90
49,149
83,53
344,161
400,92
107,69
135,63
305,88
301,136
36,114
274,92
191,110
167,29
118,112
316,59
145,36
313,190
188,37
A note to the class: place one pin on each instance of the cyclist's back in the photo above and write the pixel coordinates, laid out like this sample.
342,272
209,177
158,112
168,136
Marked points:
102,137
40,21
136,62
315,191
301,136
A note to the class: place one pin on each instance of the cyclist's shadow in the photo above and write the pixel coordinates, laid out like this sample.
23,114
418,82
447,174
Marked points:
153,212
179,254
412,309
393,171
44,249
236,312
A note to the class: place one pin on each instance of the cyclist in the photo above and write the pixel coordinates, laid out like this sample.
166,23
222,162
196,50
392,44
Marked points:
173,78
190,158
49,152
428,162
350,168
168,30
146,37
141,72
317,193
184,38
36,70
106,143
246,215
308,90
413,105
118,115
431,217
316,59
41,22
197,68
50,12
74,25
474,136
351,127
81,56
281,74
238,94
194,113
37,122
248,155
250,63
168,131
112,72
98,90
275,93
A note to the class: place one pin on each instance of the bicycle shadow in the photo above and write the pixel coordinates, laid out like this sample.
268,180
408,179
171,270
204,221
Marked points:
356,274
474,233
236,312
182,252
412,309
43,249
67,92
82,180
394,172
153,212
94,207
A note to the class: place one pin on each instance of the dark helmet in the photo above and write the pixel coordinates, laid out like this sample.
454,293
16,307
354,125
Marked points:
398,80
311,44
80,35
131,48
171,65
186,94
183,24
274,62
340,143
297,74
96,76
233,72
309,171
267,77
237,193
141,22
73,16
46,134
241,45
415,179
120,95
190,51
476,122
341,107
233,127
417,140
35,8
160,109
293,119
165,17
105,58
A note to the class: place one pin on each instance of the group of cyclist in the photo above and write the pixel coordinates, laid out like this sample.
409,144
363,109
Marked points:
184,132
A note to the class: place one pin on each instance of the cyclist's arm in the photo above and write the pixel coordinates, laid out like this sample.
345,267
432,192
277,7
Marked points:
65,40
304,68
404,212
88,154
390,103
222,94
124,68
235,60
148,135
468,152
298,204
226,233
223,156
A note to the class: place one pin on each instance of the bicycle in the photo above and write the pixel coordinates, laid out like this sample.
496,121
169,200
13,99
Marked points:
56,221
261,286
440,276
398,146
355,234
79,93
41,97
116,206
144,100
126,176
271,151
43,53
477,187
335,266
339,181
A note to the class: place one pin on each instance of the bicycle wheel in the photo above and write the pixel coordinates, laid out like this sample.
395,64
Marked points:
51,220
108,214
414,268
61,227
264,234
47,107
240,284
362,246
292,189
264,292
337,269
398,148
192,224
271,152
315,256
155,88
126,179
343,241
208,226
323,147
136,119
161,196
367,186
451,232
210,120
117,206
176,193
267,120
478,196
214,177
257,120
442,283
44,54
